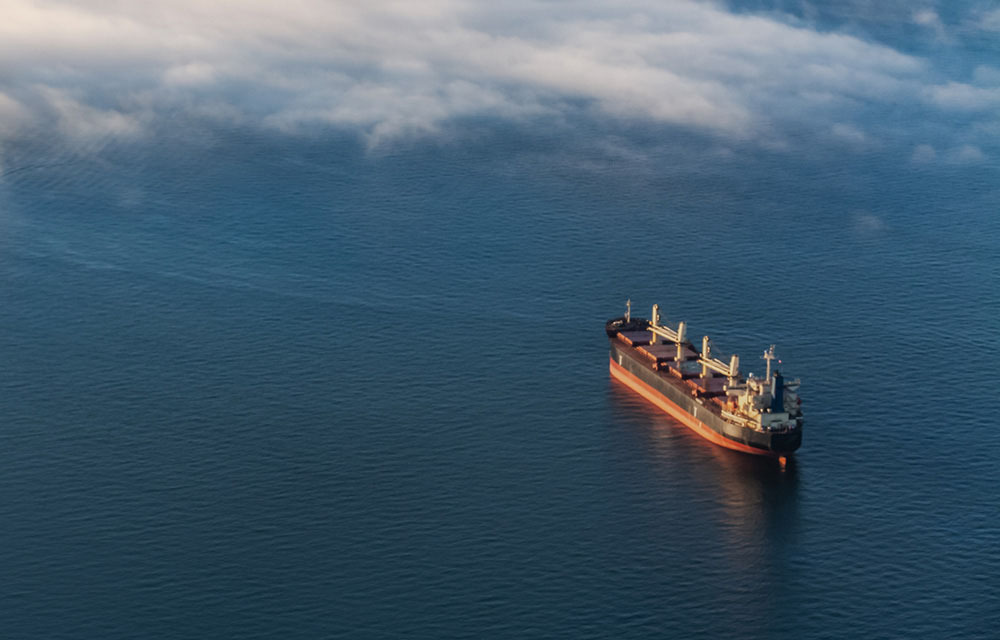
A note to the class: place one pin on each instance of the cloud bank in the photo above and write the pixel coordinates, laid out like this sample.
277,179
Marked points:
93,68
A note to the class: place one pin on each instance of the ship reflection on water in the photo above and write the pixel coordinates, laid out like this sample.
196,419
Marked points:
756,498
760,500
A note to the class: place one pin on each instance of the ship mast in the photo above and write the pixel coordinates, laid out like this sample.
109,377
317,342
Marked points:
769,356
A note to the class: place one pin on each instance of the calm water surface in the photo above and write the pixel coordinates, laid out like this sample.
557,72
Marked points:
256,386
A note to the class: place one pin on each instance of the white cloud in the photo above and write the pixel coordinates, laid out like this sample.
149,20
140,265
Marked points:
930,19
391,67
990,20
849,133
868,223
189,75
926,17
13,115
81,122
966,154
986,75
964,97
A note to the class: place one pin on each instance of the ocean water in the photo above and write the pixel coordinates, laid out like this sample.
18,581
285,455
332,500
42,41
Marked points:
260,387
259,384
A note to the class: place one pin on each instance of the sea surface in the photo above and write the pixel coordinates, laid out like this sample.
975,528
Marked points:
272,385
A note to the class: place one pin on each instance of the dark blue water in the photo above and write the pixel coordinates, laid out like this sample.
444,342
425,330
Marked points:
256,386
261,384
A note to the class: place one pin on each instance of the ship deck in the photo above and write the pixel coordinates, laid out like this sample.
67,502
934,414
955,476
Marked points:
684,374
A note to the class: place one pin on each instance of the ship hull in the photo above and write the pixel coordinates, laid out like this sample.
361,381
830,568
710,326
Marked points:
662,392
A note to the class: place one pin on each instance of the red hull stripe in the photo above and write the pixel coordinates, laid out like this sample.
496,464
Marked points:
699,427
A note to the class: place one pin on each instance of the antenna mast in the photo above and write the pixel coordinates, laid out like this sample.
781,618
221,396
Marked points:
769,356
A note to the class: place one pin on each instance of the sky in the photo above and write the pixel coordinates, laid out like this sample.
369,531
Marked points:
862,76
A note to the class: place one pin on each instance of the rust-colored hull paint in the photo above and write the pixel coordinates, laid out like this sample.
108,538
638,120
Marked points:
699,427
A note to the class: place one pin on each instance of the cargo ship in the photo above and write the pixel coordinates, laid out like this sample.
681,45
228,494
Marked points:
761,416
